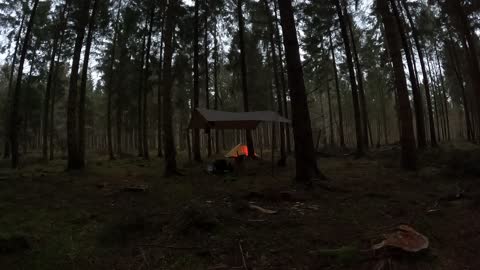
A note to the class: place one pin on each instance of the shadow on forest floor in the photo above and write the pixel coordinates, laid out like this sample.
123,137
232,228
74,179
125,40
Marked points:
124,215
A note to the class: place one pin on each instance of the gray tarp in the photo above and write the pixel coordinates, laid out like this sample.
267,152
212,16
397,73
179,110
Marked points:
211,119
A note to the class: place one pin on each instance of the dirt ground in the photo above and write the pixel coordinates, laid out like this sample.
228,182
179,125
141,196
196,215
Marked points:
124,215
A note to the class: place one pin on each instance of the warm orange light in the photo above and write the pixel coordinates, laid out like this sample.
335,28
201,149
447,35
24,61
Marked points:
239,150
245,150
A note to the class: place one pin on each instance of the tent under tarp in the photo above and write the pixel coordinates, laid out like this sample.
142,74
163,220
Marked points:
237,151
211,119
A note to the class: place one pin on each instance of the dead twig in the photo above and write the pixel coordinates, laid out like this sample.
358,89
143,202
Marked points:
256,220
169,247
145,260
261,209
243,256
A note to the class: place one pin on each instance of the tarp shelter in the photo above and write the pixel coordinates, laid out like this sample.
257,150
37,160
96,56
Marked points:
211,119
239,150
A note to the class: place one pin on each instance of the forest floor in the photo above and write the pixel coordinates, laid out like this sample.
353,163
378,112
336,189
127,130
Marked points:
124,215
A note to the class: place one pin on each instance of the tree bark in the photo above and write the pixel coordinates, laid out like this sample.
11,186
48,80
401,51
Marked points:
434,95
110,90
467,35
119,128
207,79
14,121
169,140
337,88
407,137
417,97
146,154
196,87
353,82
215,83
6,149
437,110
384,116
83,85
418,45
140,99
50,79
439,102
283,156
243,64
460,80
159,93
330,114
74,158
306,163
282,77
323,122
444,95
359,76
54,86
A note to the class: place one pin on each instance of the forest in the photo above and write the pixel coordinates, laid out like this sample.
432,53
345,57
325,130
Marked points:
240,134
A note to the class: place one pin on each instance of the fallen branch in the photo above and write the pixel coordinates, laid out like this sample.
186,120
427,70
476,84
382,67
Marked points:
243,256
256,220
261,209
169,247
145,260
136,188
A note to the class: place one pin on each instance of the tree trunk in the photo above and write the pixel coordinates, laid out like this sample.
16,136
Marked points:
207,81
50,79
54,86
472,118
110,88
215,83
337,88
109,105
189,146
74,158
6,150
323,124
119,127
439,102
444,95
159,93
306,163
437,112
196,87
14,121
467,35
140,99
243,65
169,140
146,154
433,137
330,115
458,75
353,83
434,94
417,97
282,77
283,156
359,76
407,137
83,85
384,116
